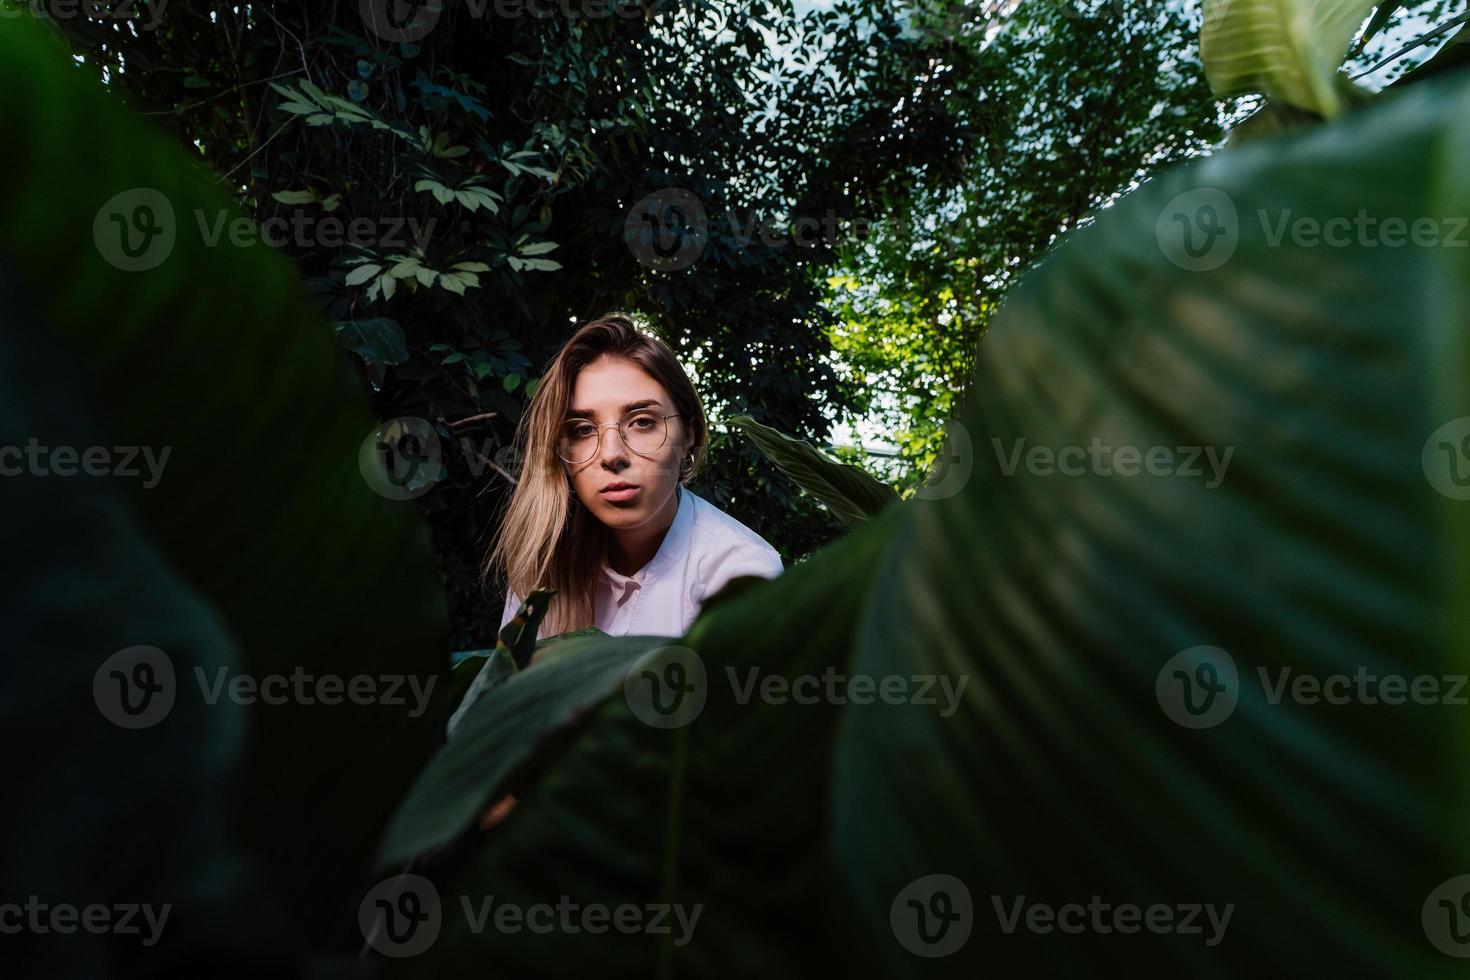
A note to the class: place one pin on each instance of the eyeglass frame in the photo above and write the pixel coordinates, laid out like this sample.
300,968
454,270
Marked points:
616,425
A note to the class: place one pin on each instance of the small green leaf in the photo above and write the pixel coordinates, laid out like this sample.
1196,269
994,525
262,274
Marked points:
850,492
363,273
296,197
311,89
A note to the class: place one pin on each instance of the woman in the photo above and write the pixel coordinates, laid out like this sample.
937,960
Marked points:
600,512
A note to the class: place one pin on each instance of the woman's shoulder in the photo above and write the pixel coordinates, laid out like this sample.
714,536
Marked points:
718,533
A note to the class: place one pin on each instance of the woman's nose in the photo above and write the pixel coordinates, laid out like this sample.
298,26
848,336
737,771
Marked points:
610,447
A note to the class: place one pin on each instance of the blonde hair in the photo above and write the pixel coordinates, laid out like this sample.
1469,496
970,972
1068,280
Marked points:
546,540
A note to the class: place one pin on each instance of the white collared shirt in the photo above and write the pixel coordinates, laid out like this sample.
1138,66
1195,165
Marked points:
703,549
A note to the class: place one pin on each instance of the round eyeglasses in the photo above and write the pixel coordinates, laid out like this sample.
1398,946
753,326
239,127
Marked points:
642,432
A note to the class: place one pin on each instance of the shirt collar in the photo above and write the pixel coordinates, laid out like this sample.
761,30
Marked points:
674,544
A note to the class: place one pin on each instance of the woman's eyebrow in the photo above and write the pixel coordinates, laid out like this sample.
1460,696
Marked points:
582,413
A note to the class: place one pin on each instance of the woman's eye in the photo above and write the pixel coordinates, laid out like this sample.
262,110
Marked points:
581,431
643,422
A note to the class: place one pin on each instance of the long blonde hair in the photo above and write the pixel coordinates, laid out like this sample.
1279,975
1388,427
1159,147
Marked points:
546,540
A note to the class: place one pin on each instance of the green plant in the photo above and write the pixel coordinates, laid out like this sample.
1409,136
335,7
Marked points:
1060,601
1052,603
497,160
278,556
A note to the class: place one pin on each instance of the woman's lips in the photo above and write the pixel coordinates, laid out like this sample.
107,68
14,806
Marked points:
619,492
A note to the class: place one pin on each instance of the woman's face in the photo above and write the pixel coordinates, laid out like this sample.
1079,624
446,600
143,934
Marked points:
622,488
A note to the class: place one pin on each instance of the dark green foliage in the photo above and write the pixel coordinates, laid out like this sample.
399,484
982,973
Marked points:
260,518
518,147
1060,601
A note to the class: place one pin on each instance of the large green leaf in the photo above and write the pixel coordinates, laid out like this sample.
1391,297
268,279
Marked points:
1061,606
850,492
1324,549
726,812
1289,49
97,813
212,352
501,737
